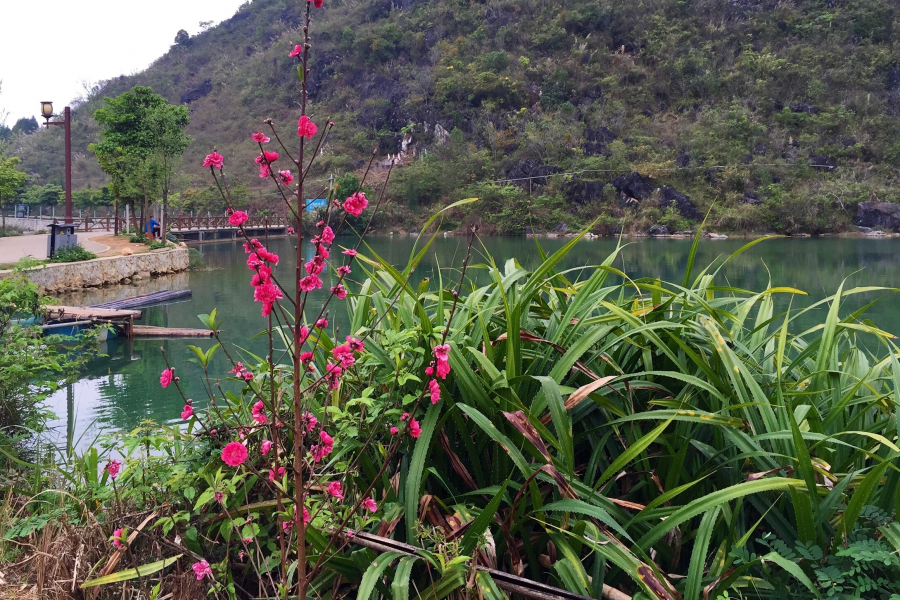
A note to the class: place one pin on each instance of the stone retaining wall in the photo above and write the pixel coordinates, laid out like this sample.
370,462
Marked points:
63,277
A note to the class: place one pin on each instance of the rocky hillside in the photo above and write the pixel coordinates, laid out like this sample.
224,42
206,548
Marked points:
781,116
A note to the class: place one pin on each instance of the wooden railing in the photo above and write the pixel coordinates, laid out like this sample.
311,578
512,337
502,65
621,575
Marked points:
188,223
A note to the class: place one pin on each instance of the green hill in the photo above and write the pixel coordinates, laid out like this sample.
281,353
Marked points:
781,116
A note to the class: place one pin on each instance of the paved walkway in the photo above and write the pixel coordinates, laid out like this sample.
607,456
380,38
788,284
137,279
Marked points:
14,248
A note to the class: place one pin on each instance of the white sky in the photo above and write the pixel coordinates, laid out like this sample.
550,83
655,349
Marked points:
49,48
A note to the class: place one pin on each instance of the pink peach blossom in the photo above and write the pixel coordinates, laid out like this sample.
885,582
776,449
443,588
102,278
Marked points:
214,160
369,505
334,490
297,51
201,569
187,413
260,138
165,378
306,128
234,454
238,218
265,447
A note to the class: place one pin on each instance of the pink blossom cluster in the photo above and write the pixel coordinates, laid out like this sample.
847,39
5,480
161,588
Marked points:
265,161
201,569
356,203
323,448
239,370
261,261
117,538
238,218
113,467
259,413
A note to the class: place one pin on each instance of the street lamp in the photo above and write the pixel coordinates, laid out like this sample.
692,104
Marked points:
47,113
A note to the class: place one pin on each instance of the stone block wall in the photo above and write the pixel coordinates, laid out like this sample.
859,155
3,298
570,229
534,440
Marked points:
64,277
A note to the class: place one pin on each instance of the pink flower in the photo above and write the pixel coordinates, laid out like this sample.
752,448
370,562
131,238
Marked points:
117,538
234,454
238,218
394,431
276,473
201,569
443,369
324,448
435,389
310,282
334,375
286,177
334,489
269,157
165,378
322,323
306,128
187,413
265,447
247,374
429,370
267,294
306,517
344,270
414,429
344,354
264,171
260,138
442,354
327,235
291,231
311,422
238,368
349,252
369,505
404,416
113,467
219,496
253,261
340,291
306,357
214,160
259,413
267,256
318,3
355,344
356,203
297,51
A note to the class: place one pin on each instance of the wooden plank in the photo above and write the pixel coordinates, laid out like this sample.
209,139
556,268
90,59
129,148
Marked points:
89,312
169,332
144,300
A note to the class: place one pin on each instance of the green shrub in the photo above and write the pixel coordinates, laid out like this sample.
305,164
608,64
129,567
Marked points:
71,254
139,238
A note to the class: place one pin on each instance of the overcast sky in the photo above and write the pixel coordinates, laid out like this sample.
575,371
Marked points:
50,47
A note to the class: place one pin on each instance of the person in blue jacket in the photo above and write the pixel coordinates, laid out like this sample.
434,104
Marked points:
154,227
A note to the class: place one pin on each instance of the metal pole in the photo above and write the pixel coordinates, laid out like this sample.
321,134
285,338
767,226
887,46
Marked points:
68,127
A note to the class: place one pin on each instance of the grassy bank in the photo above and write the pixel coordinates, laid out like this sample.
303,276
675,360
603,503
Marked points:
593,430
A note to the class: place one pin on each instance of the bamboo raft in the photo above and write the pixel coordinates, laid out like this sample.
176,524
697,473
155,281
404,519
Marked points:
145,300
121,314
148,331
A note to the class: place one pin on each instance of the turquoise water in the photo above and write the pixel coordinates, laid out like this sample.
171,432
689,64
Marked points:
122,390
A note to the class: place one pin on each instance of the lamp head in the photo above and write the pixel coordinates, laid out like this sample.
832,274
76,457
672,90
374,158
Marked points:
47,110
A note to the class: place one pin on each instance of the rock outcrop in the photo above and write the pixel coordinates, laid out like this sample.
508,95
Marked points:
684,205
882,215
635,186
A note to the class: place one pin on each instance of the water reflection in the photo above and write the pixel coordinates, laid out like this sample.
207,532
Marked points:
120,391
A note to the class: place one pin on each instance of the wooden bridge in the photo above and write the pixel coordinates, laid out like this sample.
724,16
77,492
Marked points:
187,228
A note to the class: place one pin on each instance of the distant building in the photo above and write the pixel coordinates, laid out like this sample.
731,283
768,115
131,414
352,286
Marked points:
312,205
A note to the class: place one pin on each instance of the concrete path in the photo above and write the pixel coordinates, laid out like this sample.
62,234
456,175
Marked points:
14,248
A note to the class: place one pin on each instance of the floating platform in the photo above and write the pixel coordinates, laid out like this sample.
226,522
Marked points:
145,300
148,331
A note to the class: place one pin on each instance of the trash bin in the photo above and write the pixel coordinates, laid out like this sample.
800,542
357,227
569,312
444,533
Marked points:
61,236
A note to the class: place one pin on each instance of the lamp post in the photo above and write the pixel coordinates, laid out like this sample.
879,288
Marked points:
47,113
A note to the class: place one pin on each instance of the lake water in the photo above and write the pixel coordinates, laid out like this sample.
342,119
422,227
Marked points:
122,390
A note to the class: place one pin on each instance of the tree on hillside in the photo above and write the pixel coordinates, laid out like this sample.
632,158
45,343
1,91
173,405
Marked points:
11,179
25,126
142,139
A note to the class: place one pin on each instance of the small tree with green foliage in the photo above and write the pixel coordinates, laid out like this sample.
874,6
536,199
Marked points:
11,179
